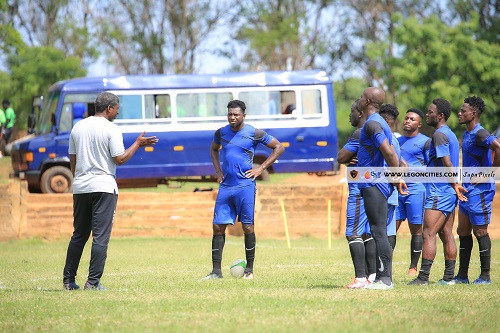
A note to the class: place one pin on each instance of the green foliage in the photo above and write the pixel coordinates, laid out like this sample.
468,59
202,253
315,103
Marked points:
154,286
10,39
346,92
438,60
272,32
32,71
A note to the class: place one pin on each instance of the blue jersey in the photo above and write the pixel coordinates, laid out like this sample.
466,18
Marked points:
238,149
476,153
415,152
352,145
443,143
393,199
374,132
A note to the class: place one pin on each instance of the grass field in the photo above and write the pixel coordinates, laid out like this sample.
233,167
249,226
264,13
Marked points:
154,286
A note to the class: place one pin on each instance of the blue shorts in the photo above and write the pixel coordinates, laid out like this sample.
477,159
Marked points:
391,220
235,201
446,204
478,208
411,207
356,223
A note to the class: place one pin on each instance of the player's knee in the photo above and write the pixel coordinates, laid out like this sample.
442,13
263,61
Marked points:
426,233
247,228
461,232
219,229
480,231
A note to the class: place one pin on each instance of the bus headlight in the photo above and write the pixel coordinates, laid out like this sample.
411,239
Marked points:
28,157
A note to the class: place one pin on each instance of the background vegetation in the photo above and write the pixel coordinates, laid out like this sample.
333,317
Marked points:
415,50
154,286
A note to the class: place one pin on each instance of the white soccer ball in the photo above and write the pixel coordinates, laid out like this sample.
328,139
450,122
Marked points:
237,268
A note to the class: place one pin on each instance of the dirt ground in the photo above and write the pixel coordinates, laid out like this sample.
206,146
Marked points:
493,229
305,178
333,179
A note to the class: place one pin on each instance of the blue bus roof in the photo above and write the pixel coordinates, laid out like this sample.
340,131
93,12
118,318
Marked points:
182,81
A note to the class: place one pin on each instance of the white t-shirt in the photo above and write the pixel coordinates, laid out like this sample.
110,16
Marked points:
95,141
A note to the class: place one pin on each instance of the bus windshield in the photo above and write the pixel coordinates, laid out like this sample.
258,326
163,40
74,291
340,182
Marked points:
44,124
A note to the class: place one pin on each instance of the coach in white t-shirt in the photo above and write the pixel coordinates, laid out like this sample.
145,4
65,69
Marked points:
95,148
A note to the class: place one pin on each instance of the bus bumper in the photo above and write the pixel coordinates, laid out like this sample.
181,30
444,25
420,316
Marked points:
32,176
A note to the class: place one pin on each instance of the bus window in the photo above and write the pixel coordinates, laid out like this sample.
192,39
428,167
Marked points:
66,120
87,99
267,102
202,104
157,106
288,102
130,107
311,102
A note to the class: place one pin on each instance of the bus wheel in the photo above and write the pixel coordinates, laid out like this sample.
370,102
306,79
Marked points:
264,176
57,179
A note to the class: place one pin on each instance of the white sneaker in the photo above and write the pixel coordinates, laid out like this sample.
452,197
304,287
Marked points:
357,284
379,285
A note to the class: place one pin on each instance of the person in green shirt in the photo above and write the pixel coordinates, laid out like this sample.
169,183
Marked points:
3,121
10,117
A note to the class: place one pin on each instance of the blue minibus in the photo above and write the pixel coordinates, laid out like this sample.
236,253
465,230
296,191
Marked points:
183,111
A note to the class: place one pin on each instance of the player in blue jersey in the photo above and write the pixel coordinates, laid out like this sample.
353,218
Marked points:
441,198
414,147
359,239
390,114
232,152
474,215
375,150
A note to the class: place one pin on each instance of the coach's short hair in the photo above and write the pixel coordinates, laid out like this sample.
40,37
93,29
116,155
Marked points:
476,102
443,106
234,104
105,99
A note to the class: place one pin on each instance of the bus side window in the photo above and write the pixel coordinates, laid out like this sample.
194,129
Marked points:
130,107
311,102
157,106
267,102
288,102
202,104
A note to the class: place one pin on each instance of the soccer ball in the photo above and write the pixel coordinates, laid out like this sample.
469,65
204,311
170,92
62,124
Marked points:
237,268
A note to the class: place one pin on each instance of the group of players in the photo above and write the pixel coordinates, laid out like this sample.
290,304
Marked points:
376,210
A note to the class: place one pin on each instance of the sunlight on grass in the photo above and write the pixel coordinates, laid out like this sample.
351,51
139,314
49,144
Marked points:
154,285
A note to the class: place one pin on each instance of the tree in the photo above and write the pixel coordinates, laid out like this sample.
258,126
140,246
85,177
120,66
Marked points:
32,71
488,11
61,24
280,35
449,62
157,36
363,41
346,92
